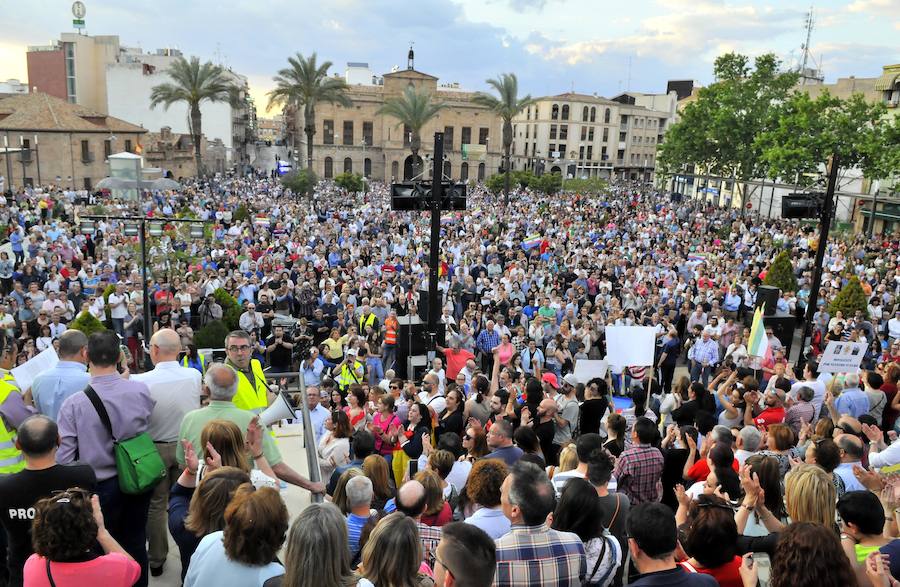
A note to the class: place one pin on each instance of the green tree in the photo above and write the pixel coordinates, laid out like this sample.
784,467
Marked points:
306,84
211,335
231,310
506,106
496,182
548,183
86,323
194,83
352,182
414,109
781,273
850,299
590,185
718,130
300,182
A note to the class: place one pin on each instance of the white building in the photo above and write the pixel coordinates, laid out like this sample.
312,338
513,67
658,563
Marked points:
13,87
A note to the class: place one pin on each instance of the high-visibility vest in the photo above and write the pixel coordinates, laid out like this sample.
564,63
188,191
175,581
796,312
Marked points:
251,395
11,460
186,362
348,376
365,322
390,332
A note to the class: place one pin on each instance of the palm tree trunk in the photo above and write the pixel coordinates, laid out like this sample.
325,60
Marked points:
414,145
309,127
195,136
507,143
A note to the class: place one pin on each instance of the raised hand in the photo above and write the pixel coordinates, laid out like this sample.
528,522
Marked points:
213,458
253,440
190,456
873,433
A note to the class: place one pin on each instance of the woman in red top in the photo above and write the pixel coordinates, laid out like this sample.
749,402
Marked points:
708,535
356,406
384,427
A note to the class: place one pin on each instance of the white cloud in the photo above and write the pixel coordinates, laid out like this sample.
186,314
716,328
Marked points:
875,6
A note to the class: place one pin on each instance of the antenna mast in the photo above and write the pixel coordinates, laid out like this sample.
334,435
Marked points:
809,75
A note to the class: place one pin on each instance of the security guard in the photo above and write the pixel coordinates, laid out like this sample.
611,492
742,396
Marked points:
367,320
252,392
13,412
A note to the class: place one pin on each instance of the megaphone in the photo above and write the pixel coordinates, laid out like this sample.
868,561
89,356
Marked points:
279,410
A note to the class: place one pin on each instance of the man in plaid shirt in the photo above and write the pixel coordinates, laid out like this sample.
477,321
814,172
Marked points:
639,469
532,553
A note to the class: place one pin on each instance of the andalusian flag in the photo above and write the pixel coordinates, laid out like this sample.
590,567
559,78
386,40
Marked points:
759,343
531,241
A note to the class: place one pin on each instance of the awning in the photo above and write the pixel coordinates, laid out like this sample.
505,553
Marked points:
887,80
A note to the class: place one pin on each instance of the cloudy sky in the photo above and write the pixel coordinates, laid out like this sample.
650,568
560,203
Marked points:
553,45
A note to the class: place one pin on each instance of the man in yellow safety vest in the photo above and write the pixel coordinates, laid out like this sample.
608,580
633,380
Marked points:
252,392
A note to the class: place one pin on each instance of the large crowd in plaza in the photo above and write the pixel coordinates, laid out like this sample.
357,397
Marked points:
496,466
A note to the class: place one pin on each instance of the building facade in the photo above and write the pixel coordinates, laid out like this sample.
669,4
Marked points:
12,87
54,141
358,139
579,135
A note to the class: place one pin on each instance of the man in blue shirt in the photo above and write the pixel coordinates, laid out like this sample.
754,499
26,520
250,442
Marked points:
853,401
50,388
359,500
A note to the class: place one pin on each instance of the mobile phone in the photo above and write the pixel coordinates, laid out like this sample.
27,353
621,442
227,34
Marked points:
413,468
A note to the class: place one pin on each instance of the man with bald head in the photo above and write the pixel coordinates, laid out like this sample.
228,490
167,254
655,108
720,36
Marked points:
412,502
851,449
176,390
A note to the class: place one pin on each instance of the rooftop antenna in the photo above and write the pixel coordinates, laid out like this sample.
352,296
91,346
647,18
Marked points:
809,74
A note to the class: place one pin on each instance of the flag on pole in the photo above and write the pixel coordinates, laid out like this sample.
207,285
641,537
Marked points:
759,343
531,242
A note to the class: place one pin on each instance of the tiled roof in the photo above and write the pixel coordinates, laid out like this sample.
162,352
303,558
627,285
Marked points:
42,112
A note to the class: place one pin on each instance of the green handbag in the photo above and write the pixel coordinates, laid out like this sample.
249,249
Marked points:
138,463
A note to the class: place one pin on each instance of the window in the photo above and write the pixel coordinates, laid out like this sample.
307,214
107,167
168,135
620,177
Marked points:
327,132
527,133
590,152
553,129
481,172
395,170
85,152
583,133
70,72
591,134
623,136
88,185
563,131
584,114
581,152
483,136
562,150
606,116
603,155
329,168
551,148
367,133
128,145
623,120
565,112
448,138
107,148
554,112
466,135
605,134
348,165
347,138
407,135
528,113
593,114
367,167
464,172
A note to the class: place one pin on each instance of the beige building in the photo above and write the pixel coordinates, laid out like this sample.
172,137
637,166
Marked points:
580,135
269,129
359,140
53,141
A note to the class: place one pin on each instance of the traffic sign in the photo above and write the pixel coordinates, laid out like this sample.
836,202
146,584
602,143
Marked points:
749,205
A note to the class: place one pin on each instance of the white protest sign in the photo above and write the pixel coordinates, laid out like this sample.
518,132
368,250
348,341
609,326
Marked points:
842,357
26,372
587,369
630,345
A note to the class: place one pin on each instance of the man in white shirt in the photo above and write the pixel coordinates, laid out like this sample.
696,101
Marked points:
52,303
431,395
811,379
176,390
317,412
894,326
118,308
584,446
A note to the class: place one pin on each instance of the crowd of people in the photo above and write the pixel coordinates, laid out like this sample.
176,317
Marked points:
495,466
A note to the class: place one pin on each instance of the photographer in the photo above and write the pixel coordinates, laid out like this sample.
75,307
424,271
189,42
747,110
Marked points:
210,310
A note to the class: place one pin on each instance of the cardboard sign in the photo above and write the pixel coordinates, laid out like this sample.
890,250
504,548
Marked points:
842,357
587,369
630,345
27,371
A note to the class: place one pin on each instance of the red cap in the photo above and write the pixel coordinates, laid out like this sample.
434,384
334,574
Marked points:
551,379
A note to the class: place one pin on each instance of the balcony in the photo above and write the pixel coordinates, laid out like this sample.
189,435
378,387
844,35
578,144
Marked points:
25,156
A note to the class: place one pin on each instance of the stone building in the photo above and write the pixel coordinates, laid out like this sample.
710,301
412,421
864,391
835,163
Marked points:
53,141
358,139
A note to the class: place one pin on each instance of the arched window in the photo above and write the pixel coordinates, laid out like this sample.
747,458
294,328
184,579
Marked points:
367,167
565,112
447,169
584,114
395,171
606,116
481,172
554,112
329,168
348,165
593,114
464,172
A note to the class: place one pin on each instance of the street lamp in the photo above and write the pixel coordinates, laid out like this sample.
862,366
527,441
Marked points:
132,229
156,229
196,230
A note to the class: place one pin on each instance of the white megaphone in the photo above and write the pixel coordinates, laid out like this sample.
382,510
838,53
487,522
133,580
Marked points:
279,410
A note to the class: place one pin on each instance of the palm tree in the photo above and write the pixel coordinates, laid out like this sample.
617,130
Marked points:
414,109
195,83
305,83
507,106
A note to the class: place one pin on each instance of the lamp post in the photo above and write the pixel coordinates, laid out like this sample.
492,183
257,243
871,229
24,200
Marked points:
22,157
8,166
37,157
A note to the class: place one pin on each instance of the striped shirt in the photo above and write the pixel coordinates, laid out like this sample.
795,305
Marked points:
539,555
354,529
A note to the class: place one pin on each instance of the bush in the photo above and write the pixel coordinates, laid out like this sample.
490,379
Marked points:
231,310
110,289
352,182
549,183
850,299
212,335
301,182
781,273
496,182
86,323
590,185
240,214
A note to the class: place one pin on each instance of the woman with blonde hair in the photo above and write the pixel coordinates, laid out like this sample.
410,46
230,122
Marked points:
224,446
376,468
568,460
810,496
339,497
437,510
395,534
317,553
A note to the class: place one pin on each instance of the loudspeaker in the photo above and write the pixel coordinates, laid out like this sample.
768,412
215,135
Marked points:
800,206
411,340
768,295
279,410
783,329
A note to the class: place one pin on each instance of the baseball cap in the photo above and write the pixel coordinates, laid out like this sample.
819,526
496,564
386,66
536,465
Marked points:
570,379
551,379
